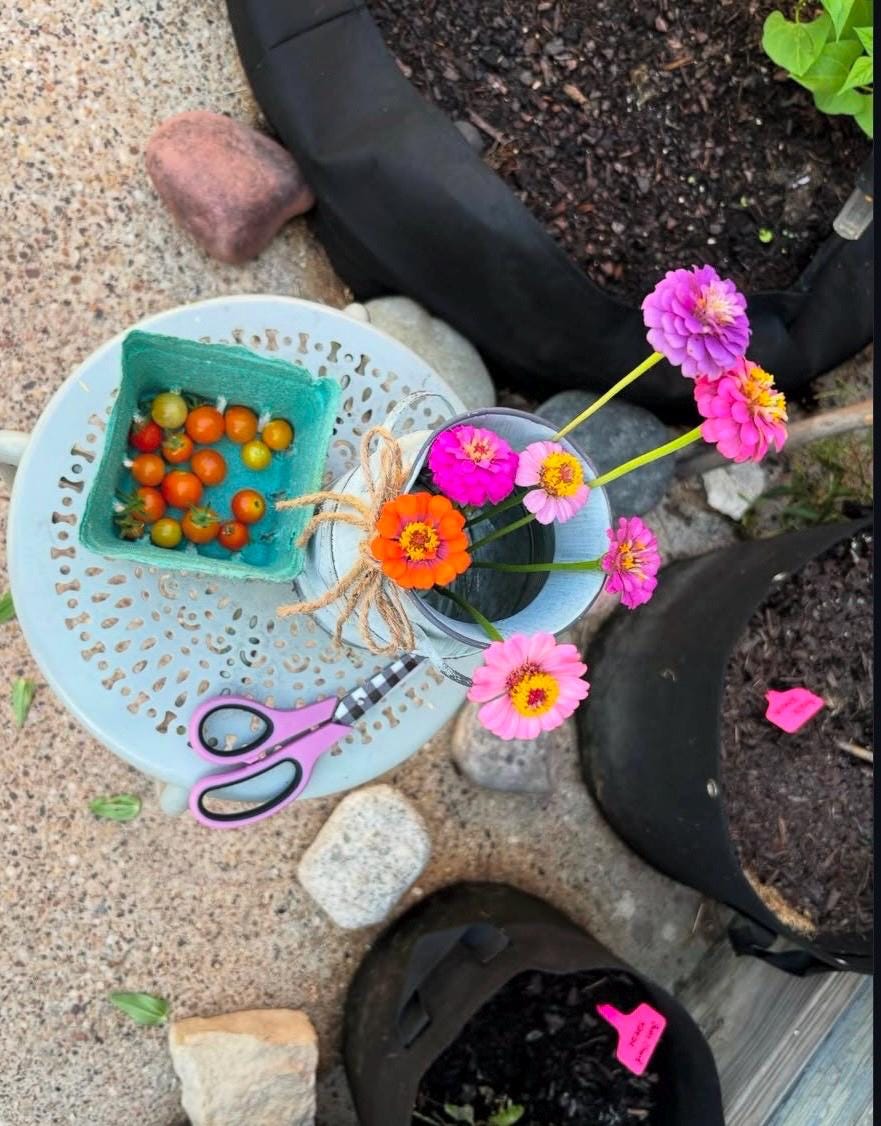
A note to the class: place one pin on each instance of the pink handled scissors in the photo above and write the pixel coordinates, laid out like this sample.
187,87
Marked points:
222,730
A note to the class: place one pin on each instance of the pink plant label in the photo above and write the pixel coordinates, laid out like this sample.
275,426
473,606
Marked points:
638,1034
792,709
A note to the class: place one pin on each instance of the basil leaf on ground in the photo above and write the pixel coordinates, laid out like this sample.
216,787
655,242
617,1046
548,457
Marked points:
143,1008
22,697
116,807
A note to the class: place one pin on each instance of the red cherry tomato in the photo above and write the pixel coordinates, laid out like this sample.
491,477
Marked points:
248,506
145,435
177,448
209,466
181,489
205,425
148,469
233,535
150,506
241,424
200,525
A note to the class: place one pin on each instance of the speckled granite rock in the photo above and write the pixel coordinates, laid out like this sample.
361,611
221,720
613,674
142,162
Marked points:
523,766
229,187
369,851
732,489
252,1068
616,433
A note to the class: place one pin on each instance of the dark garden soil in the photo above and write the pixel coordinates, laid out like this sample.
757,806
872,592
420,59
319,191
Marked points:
643,136
540,1044
800,806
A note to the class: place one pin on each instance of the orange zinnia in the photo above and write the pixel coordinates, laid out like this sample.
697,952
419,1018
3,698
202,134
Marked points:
421,541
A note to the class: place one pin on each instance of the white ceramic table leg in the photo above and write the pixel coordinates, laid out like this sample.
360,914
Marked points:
173,799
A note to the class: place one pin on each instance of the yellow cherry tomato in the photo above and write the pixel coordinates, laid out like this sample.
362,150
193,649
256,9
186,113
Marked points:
166,532
278,434
256,454
169,410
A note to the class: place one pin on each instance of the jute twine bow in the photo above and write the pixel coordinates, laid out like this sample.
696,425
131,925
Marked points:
364,586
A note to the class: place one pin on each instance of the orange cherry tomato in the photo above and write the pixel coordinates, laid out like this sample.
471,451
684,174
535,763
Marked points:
278,434
205,425
177,448
150,506
181,489
209,466
200,525
241,424
248,506
233,535
148,469
256,455
166,532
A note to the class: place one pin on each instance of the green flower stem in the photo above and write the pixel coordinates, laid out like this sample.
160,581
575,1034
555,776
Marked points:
629,378
497,535
485,624
644,459
525,568
513,500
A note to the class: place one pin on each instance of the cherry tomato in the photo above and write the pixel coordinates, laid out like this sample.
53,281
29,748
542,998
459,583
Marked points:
205,425
177,448
241,424
278,434
248,506
145,435
166,532
148,469
200,525
233,535
256,454
169,410
181,489
150,506
209,466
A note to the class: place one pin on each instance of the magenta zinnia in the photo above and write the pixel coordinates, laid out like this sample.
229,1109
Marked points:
631,562
558,478
472,466
697,320
745,413
528,685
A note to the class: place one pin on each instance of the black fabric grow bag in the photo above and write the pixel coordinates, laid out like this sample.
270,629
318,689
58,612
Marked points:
406,206
650,733
437,965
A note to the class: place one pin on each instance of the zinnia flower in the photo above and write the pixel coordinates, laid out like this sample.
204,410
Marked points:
559,475
472,466
697,320
631,562
745,413
531,684
421,541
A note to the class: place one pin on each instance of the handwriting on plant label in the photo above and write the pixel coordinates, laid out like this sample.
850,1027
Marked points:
792,709
638,1034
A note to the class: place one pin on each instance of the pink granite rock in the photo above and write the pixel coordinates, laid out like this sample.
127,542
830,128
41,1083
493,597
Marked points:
230,187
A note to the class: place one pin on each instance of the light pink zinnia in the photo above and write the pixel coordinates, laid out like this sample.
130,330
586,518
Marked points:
745,413
697,320
532,684
631,562
472,466
559,475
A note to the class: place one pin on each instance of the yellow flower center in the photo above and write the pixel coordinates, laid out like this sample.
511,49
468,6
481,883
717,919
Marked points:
627,556
764,398
478,449
419,541
561,475
531,691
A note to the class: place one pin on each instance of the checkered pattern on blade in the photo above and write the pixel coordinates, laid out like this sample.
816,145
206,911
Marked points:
361,699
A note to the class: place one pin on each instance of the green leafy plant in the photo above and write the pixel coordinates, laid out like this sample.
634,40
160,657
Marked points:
23,691
505,1113
7,609
118,807
143,1008
830,54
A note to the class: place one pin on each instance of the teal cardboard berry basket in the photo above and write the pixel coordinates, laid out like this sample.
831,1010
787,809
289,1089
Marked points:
153,363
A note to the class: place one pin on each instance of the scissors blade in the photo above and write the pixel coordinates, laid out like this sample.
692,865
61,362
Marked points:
361,699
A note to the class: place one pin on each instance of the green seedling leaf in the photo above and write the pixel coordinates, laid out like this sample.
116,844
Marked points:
22,697
850,102
765,235
866,37
860,74
865,117
827,74
7,609
840,11
116,807
795,46
460,1113
861,15
507,1116
143,1008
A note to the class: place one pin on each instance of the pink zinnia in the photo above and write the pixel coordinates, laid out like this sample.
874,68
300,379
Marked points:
697,320
745,413
472,466
631,562
559,478
532,685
